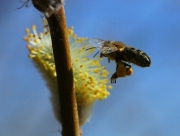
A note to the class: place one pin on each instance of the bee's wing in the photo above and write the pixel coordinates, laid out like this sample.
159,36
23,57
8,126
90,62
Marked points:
107,50
102,45
97,43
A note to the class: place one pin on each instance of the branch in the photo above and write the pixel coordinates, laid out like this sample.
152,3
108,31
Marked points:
68,105
69,116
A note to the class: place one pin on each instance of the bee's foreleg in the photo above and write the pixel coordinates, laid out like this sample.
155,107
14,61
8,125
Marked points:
101,55
108,60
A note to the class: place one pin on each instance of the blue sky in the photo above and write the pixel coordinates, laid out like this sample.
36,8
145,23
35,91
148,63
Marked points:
144,104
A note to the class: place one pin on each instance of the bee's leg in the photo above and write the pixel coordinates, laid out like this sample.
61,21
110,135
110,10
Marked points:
108,60
96,54
117,66
113,78
101,55
118,60
126,65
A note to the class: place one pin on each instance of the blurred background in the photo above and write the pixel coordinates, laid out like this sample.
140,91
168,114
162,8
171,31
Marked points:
144,104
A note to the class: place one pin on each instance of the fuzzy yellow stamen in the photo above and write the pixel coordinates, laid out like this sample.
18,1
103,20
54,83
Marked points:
90,77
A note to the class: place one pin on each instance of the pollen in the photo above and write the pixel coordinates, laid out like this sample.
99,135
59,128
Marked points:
90,78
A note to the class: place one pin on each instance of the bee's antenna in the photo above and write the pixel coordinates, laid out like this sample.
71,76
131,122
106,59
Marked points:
95,54
91,48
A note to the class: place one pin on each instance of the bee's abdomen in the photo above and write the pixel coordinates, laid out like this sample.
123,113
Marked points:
136,56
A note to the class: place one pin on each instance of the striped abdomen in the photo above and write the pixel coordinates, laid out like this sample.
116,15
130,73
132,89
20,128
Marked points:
135,56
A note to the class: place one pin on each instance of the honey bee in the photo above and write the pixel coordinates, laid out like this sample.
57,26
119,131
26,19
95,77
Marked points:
120,53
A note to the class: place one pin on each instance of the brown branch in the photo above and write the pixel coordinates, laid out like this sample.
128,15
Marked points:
68,105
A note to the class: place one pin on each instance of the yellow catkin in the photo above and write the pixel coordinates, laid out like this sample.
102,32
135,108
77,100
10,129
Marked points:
90,78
